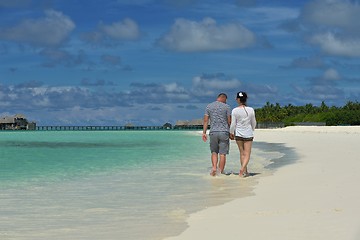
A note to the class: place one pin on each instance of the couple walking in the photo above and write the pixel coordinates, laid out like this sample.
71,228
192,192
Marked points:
239,125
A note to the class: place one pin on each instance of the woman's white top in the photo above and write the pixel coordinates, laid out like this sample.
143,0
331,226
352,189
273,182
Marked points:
243,122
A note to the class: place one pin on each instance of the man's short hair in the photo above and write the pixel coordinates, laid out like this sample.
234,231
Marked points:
222,95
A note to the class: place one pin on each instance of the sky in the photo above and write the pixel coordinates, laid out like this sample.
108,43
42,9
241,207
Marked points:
148,62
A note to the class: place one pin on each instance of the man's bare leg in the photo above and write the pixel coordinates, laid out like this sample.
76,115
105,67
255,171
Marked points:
222,162
214,161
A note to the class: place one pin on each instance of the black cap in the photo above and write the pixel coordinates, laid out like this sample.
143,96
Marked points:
242,96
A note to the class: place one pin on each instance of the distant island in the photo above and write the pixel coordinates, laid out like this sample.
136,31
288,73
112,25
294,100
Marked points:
269,116
290,115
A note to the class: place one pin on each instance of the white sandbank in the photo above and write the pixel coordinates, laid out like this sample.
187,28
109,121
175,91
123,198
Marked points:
317,197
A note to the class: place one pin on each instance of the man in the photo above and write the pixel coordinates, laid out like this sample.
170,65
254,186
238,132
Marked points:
219,114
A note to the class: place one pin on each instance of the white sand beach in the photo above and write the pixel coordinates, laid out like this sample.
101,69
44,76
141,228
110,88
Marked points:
317,197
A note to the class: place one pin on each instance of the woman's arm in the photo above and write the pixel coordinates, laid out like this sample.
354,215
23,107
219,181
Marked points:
253,120
233,122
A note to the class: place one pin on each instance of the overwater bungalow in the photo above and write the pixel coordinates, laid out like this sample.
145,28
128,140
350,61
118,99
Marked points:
17,122
193,124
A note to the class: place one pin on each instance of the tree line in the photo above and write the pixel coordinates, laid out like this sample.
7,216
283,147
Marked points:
349,114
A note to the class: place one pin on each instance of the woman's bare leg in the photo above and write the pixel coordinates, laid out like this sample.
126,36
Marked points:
245,151
240,145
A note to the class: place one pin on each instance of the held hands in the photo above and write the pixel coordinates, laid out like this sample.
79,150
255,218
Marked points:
231,136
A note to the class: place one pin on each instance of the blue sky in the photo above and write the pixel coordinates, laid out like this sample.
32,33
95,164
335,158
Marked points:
148,62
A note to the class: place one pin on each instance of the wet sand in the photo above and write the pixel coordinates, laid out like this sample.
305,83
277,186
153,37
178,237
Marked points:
316,197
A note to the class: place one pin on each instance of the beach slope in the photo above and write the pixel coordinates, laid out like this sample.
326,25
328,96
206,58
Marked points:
317,197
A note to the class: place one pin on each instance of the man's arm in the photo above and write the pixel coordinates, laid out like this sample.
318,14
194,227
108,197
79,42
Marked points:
232,127
205,126
229,118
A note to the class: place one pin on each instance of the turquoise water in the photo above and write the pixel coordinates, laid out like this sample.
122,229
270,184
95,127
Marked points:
112,184
35,156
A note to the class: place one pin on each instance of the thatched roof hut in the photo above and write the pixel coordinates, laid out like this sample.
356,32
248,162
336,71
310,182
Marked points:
7,120
17,122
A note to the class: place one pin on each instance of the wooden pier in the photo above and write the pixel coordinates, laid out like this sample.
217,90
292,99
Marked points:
113,128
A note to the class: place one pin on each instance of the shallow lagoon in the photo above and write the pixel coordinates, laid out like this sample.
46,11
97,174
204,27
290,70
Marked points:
114,184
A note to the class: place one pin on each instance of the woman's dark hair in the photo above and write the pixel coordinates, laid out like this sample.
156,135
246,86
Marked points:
242,96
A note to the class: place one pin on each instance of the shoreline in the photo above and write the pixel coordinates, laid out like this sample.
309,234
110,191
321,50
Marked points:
70,183
313,198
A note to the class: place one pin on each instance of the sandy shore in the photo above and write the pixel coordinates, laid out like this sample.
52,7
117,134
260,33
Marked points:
315,198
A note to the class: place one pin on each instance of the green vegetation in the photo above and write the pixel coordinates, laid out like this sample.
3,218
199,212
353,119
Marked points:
332,116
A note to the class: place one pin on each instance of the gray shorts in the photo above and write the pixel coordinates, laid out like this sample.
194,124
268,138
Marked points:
219,142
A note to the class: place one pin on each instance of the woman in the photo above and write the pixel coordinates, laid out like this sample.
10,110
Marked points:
242,127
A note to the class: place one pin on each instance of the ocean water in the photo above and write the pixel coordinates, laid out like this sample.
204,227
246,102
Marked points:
115,184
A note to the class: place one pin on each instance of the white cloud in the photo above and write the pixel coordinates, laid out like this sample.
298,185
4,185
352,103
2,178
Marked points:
210,85
157,93
334,45
111,34
333,25
331,74
49,31
174,87
215,83
317,93
122,30
332,13
207,35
